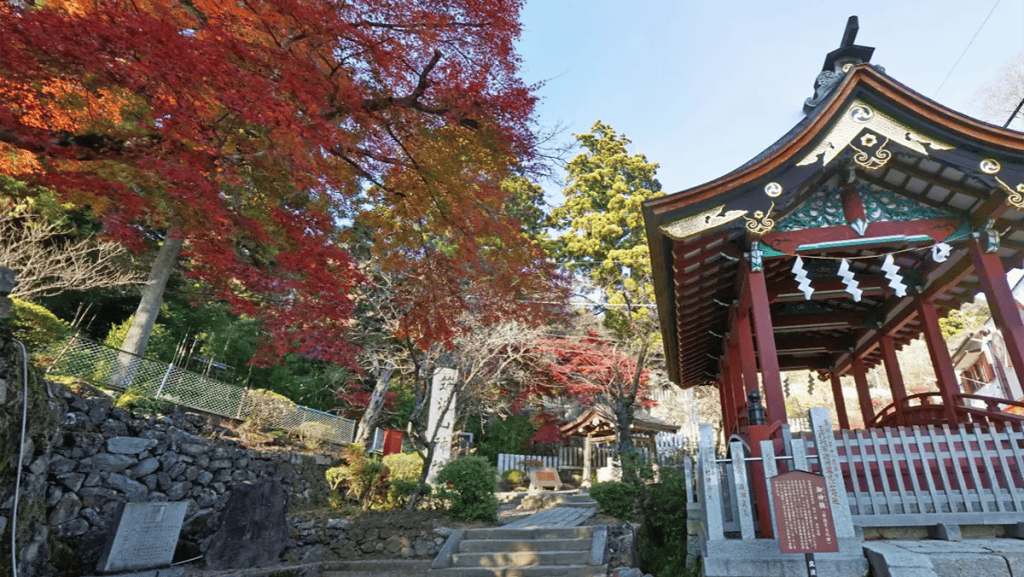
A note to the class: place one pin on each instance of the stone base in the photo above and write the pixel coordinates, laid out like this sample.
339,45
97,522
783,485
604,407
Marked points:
761,558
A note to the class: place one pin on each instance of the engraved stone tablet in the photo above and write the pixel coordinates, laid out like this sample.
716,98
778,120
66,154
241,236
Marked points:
146,536
545,478
803,514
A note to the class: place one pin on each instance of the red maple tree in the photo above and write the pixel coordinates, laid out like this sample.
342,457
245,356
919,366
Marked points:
256,130
591,371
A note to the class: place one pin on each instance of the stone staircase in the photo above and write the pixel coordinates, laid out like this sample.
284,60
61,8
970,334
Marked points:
523,552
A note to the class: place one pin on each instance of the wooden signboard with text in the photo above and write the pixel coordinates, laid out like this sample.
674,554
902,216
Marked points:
803,516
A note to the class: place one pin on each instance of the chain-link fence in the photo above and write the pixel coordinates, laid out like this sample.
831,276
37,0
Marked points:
109,367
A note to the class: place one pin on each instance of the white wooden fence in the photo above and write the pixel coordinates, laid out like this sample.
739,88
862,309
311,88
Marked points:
906,476
566,458
892,477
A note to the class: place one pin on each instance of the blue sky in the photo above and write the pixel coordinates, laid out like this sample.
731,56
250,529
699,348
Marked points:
700,88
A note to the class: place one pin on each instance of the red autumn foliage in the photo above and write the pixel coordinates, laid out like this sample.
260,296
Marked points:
254,129
548,431
588,370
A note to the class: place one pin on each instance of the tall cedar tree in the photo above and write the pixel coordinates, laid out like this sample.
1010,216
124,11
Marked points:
253,130
606,248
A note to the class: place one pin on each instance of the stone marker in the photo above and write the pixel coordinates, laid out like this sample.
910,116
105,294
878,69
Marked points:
145,538
545,478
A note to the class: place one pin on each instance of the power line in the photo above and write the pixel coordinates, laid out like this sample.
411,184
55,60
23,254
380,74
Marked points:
965,50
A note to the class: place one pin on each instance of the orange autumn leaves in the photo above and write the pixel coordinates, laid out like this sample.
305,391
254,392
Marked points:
258,129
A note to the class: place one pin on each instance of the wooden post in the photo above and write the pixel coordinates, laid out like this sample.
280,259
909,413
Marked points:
748,362
766,355
587,446
735,375
863,395
892,371
945,374
1001,302
837,392
728,414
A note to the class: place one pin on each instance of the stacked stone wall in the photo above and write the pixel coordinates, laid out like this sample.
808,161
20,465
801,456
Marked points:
96,456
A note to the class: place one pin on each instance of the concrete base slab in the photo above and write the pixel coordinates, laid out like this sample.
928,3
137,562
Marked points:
834,566
761,558
961,564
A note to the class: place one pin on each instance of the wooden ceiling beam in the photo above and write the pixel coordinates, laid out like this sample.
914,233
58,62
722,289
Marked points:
935,179
922,198
789,291
822,322
790,345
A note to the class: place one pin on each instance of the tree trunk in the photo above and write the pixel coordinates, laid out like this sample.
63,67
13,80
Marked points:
145,316
372,414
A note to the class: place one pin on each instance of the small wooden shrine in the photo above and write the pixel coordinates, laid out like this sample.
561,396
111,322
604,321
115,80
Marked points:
598,425
873,217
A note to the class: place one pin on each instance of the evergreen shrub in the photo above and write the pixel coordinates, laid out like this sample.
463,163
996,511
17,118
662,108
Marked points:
37,327
662,541
616,498
469,483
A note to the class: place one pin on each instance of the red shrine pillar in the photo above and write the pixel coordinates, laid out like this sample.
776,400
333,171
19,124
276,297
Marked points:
1001,302
945,374
725,397
748,361
736,377
892,371
867,412
837,392
757,292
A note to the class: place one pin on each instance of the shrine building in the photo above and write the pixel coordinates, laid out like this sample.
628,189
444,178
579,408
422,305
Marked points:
852,235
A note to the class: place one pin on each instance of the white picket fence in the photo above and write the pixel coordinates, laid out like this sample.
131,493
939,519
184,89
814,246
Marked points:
566,458
671,448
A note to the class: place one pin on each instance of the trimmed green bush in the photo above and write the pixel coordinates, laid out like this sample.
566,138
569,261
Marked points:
37,327
135,401
515,478
403,466
398,492
469,483
265,409
361,476
313,435
616,498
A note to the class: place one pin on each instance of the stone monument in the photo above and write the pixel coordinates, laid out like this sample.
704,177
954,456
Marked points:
144,540
441,420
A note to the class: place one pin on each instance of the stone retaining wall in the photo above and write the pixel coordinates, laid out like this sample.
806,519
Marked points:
101,456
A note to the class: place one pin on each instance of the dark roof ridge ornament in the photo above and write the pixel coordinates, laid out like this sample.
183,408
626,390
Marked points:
838,62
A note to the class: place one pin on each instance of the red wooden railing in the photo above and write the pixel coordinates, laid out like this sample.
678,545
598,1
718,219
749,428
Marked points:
927,409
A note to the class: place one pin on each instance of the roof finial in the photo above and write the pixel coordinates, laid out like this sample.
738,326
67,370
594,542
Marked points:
838,62
852,26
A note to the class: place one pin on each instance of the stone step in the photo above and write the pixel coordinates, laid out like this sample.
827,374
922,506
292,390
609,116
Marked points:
520,558
585,504
377,568
528,534
511,545
537,571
